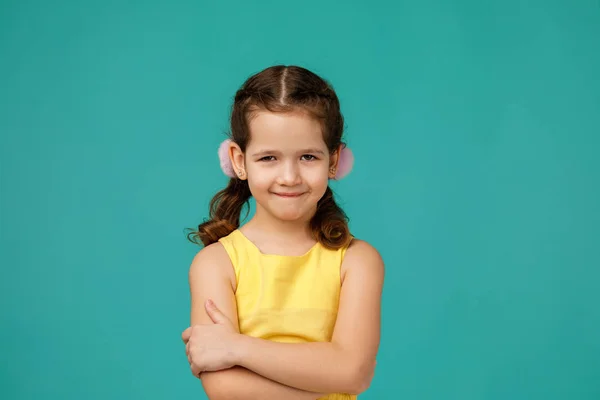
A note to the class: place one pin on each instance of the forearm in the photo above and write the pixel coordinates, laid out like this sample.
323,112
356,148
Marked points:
239,383
318,366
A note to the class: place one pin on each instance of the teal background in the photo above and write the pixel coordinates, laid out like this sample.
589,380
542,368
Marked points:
475,127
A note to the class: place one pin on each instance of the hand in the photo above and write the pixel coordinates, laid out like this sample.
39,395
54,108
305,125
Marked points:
211,347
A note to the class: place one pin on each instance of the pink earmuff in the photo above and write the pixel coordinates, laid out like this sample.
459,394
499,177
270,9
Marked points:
224,159
345,163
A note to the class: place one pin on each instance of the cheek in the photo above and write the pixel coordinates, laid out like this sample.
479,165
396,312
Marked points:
318,180
259,180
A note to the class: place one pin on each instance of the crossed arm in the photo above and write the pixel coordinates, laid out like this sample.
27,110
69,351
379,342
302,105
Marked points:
344,365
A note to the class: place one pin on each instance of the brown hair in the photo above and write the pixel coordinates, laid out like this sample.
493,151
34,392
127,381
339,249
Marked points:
280,89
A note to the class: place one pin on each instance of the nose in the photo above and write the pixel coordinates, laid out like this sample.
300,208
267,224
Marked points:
290,174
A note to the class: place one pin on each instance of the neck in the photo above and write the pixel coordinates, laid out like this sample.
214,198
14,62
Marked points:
297,230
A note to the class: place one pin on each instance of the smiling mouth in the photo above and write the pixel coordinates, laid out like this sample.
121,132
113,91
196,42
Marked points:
288,195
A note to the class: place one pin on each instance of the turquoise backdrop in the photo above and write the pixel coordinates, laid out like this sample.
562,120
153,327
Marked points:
476,130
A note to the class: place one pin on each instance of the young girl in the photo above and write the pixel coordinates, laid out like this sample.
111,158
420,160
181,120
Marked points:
286,306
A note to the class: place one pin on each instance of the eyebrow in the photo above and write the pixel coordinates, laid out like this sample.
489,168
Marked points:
304,151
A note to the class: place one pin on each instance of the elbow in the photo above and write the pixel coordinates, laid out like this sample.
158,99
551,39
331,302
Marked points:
219,393
361,377
217,388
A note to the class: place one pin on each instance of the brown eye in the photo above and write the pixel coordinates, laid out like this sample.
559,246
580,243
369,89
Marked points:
309,157
267,158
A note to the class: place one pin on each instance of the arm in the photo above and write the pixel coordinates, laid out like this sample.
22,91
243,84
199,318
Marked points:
346,364
238,383
211,276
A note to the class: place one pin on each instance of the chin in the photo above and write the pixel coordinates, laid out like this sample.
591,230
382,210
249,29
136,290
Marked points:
289,216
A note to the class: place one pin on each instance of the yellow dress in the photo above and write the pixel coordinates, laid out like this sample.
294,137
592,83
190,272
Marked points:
289,299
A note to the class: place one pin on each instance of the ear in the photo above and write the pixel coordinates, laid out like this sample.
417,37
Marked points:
333,162
237,160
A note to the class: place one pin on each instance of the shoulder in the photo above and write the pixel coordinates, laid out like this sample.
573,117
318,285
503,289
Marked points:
361,248
212,254
212,262
362,258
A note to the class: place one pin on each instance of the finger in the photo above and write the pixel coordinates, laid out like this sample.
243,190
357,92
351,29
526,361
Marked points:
195,370
189,359
185,336
214,313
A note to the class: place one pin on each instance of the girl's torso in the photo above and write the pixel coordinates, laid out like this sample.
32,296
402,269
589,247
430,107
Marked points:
288,299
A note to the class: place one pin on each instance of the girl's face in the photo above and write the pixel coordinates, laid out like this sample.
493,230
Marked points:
287,164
